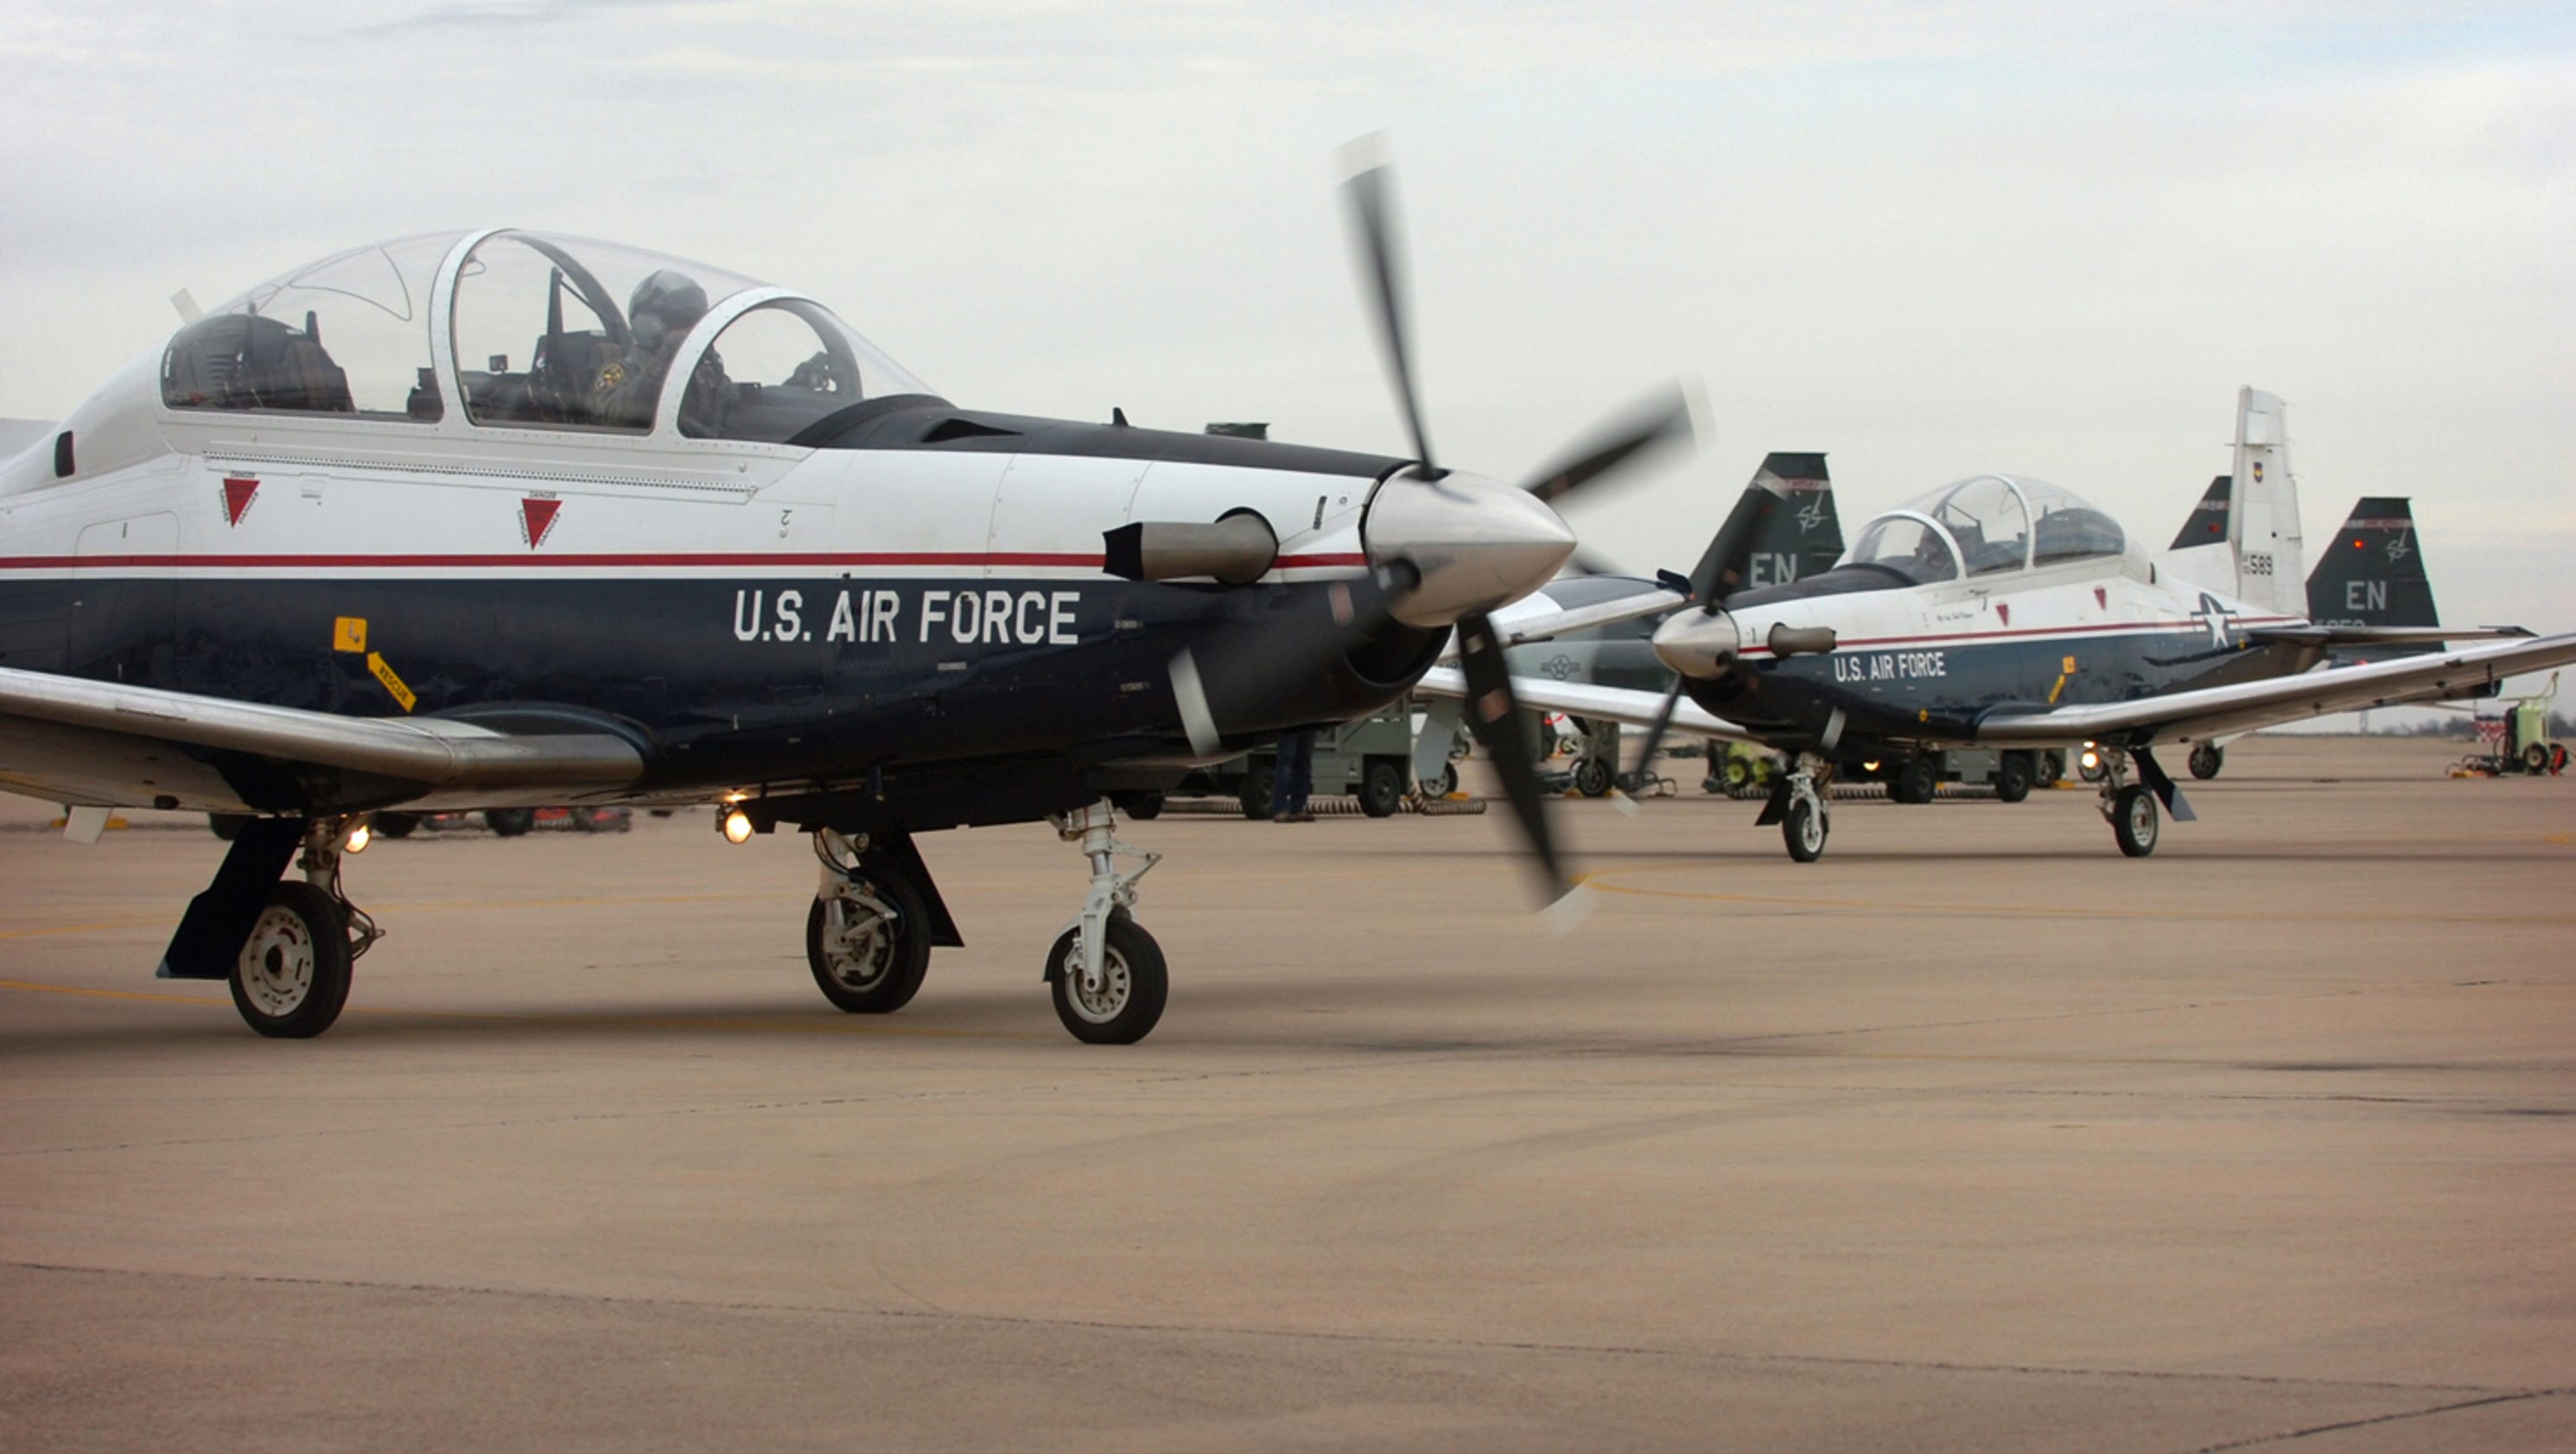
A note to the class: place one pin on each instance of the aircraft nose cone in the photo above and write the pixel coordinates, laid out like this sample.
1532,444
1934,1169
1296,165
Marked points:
1475,543
1698,644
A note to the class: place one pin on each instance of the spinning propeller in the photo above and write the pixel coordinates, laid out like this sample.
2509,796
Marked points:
1431,520
1444,548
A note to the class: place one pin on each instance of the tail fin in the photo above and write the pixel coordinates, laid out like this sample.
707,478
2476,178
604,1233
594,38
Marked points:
2271,558
2207,523
1807,535
2372,573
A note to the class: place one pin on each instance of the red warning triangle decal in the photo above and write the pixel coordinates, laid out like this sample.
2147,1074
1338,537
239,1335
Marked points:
2003,611
2102,598
536,517
237,498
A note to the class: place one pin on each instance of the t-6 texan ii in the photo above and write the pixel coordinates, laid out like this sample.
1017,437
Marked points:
502,518
2003,611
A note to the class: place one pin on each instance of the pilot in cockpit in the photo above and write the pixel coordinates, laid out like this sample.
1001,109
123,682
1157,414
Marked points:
658,316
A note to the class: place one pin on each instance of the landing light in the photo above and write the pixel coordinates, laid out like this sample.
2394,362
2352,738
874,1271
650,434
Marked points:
359,838
737,826
2092,759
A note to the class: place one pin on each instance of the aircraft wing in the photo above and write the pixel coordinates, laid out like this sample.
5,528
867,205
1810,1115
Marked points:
105,744
1624,705
1584,618
2244,706
2314,635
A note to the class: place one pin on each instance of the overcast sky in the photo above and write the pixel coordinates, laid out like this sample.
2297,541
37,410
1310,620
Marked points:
1928,239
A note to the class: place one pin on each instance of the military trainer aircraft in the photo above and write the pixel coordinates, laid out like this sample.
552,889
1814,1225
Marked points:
504,518
2006,612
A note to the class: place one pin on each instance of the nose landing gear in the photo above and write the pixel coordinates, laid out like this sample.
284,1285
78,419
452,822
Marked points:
1106,972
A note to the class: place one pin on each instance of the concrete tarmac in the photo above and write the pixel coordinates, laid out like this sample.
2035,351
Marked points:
1975,1135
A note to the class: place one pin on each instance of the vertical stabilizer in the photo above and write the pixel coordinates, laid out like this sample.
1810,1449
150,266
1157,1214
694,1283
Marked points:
1807,536
2207,523
2372,573
2263,528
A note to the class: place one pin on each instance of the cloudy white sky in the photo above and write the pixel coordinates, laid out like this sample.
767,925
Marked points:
1929,239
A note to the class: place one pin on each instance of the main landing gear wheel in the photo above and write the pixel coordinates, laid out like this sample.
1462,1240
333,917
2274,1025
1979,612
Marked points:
2134,820
2206,759
1381,789
1593,777
869,945
1804,828
2013,772
1122,1009
293,973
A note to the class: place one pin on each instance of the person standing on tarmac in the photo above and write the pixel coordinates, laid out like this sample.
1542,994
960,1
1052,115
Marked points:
1293,780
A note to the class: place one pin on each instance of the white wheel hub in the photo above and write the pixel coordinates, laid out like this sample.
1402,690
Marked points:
277,962
857,944
1102,1005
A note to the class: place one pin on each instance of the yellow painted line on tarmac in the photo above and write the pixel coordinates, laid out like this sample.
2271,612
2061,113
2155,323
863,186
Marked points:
69,989
851,1026
2162,914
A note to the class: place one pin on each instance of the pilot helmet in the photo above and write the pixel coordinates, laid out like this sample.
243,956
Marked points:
664,304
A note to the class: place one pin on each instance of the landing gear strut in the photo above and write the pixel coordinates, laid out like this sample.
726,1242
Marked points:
1798,806
292,975
868,936
2130,807
1106,972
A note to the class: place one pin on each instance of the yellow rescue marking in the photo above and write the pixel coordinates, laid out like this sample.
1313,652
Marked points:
2053,691
393,683
111,822
1602,882
349,633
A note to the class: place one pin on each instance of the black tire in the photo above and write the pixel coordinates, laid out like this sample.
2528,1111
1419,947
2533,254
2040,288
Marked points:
509,822
1805,829
880,974
2013,773
2134,820
2206,759
292,975
2052,769
227,826
1594,777
393,825
1443,785
1132,993
1254,795
2535,758
1144,807
1915,780
1381,789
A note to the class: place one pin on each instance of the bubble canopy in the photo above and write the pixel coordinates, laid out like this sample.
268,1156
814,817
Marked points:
540,331
1986,525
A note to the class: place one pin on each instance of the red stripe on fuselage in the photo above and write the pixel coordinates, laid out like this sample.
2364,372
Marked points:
1971,638
611,561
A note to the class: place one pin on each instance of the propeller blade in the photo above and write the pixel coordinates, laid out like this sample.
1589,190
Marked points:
1371,194
1661,416
1728,564
1493,715
1663,724
1190,695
